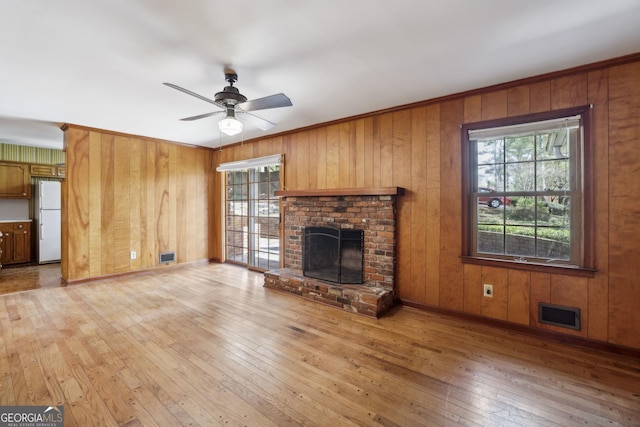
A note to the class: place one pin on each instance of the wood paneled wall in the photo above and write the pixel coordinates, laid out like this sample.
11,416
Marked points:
419,148
123,193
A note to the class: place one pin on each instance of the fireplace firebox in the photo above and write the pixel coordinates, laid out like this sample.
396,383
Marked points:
333,254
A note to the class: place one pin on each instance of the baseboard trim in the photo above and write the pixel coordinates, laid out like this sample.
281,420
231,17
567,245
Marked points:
528,330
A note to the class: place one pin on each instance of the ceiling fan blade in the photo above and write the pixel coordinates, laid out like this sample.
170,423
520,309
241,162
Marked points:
256,121
201,116
188,92
273,101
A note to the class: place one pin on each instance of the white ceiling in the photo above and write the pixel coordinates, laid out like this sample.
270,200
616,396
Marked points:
101,63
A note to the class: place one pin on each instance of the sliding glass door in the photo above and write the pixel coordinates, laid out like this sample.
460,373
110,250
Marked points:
253,217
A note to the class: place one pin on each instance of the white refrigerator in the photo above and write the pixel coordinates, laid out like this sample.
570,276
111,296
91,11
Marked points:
49,222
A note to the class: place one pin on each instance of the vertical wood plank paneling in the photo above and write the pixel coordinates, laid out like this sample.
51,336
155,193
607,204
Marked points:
496,306
95,205
401,177
433,208
138,193
451,289
540,292
376,144
313,158
321,156
518,100
519,300
353,173
161,190
473,289
216,208
418,220
181,207
359,153
173,155
472,109
345,164
121,205
333,157
569,91
191,206
599,285
494,105
262,147
107,189
300,145
624,197
540,96
76,192
152,206
134,201
571,291
201,204
143,250
290,171
401,150
386,149
369,153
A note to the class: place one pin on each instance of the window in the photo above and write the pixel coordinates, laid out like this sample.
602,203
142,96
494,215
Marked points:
526,193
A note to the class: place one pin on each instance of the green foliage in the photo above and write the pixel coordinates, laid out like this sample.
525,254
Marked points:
524,210
557,234
556,208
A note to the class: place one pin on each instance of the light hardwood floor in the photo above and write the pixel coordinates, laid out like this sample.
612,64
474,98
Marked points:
208,345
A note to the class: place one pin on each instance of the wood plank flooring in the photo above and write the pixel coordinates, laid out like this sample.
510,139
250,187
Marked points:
208,345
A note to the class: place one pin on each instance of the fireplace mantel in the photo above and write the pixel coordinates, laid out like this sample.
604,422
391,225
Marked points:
331,192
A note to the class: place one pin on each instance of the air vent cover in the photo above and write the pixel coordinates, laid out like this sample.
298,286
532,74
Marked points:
167,257
557,315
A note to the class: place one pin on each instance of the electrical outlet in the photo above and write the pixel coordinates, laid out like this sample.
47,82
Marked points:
488,290
133,255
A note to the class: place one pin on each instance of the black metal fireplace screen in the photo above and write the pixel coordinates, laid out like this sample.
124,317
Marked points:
333,254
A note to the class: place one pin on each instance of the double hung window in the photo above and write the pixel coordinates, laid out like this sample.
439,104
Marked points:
525,184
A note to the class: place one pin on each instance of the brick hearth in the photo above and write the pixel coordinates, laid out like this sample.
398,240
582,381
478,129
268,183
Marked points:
371,210
367,300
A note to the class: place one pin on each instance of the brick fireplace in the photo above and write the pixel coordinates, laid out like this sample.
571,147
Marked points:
372,210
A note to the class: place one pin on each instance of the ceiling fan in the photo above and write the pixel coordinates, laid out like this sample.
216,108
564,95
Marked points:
234,105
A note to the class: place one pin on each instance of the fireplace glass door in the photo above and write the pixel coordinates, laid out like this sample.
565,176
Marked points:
333,254
253,217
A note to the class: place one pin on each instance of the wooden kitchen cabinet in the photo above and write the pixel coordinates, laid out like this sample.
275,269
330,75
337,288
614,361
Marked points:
15,181
50,171
3,249
16,242
43,170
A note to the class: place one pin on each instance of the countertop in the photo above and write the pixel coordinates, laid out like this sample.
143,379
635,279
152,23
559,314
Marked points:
15,220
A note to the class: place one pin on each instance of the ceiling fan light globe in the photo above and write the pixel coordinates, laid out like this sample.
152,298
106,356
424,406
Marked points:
230,126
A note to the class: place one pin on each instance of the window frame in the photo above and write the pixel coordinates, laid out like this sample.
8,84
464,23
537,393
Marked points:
586,266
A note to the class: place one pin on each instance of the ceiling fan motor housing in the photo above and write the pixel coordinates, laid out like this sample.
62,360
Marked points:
230,96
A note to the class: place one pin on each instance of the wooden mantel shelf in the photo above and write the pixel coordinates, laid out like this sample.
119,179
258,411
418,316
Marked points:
329,192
